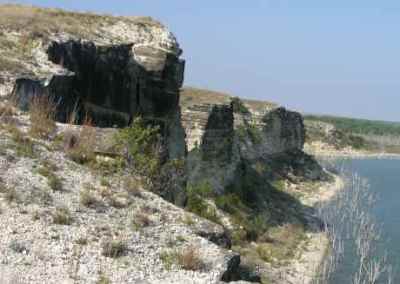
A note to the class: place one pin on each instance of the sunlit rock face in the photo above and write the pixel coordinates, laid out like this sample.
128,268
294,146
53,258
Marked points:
110,80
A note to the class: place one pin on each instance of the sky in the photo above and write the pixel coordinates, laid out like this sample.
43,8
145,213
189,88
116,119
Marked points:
326,57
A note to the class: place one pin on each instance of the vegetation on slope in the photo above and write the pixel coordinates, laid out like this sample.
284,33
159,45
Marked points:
360,134
359,126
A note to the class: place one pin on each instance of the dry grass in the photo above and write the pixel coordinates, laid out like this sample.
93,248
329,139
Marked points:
193,96
40,22
88,197
114,248
42,111
189,259
133,186
6,109
118,201
62,216
23,145
48,171
36,25
281,243
79,146
141,220
11,195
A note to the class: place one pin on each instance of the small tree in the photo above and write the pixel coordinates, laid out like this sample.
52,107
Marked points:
141,144
238,106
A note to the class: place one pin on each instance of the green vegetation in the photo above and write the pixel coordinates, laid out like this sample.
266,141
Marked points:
54,182
142,143
359,126
62,216
23,145
188,259
114,248
281,243
251,131
87,196
238,106
169,258
197,201
362,134
103,279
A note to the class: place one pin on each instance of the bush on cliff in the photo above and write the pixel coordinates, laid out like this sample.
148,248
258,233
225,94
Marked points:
238,106
141,144
197,201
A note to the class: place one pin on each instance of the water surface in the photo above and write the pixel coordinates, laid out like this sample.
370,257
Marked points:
384,178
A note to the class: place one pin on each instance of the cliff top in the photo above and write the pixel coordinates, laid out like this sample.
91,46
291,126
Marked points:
193,96
26,31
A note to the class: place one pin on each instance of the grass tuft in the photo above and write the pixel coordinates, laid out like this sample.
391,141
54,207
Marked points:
114,248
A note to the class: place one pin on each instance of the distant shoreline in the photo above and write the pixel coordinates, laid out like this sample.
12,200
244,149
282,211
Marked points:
357,155
347,153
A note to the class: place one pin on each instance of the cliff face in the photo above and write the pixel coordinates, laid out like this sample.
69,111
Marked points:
111,74
221,139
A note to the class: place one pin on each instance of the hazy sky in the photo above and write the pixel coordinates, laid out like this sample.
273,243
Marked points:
336,57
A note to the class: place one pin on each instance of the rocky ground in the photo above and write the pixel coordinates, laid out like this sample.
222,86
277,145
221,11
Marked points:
92,226
70,223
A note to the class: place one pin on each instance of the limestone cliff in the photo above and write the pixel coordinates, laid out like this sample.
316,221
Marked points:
108,68
220,138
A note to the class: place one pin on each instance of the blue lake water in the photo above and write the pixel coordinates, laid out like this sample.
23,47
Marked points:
384,178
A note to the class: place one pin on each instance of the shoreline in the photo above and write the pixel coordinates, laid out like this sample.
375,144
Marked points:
307,267
353,155
323,150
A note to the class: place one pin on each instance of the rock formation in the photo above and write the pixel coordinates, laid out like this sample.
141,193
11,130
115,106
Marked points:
111,79
220,140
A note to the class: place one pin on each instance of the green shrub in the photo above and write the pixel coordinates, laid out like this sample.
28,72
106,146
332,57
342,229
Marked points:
103,279
254,133
238,106
23,145
88,198
142,144
279,184
197,203
54,182
169,258
251,131
62,216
